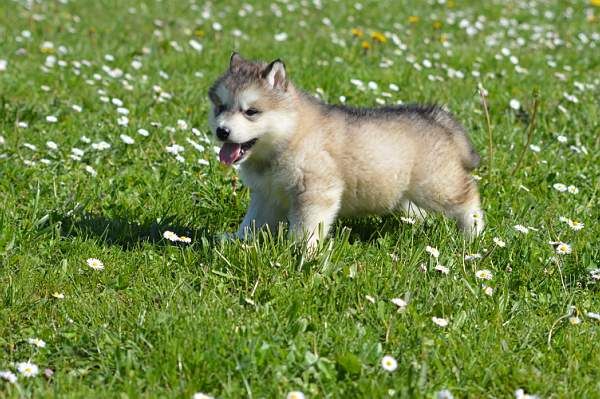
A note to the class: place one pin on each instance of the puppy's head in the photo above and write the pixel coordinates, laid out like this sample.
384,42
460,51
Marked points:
251,107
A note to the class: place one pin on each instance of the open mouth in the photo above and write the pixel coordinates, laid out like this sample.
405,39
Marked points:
234,152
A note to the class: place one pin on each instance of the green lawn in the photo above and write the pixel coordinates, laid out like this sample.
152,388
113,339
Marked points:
258,319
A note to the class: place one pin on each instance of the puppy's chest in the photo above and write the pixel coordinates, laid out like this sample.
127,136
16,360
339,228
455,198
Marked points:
270,185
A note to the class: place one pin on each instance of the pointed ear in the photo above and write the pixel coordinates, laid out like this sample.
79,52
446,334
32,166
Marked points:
235,60
275,75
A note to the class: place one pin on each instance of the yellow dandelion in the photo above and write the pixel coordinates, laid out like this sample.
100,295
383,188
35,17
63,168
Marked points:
199,33
595,3
378,37
451,4
365,44
357,32
437,25
413,19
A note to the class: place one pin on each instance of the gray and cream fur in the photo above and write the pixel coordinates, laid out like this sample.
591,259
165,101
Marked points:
307,162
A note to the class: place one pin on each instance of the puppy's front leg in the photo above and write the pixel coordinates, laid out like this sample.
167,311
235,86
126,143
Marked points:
312,214
261,213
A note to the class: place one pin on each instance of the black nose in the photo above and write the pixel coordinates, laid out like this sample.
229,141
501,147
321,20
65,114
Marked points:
222,133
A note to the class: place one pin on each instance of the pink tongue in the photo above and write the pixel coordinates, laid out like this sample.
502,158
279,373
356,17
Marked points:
230,152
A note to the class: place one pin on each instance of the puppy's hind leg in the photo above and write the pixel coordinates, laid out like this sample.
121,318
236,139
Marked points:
455,194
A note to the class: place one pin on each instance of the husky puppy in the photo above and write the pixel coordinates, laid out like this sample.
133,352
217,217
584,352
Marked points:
307,162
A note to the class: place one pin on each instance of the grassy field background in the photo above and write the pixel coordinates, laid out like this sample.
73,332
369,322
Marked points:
166,319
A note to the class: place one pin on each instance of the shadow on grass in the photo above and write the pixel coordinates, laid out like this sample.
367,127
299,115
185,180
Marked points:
129,234
370,229
125,233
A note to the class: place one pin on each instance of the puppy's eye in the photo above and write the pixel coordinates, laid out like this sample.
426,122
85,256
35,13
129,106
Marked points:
251,112
219,108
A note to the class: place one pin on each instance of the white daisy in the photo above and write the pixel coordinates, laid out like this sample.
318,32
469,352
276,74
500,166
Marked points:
560,187
444,394
169,235
440,321
51,145
37,342
432,251
370,298
442,269
593,315
101,145
58,295
201,395
136,64
563,248
476,215
520,394
521,229
91,170
182,125
51,119
195,45
515,104
30,146
3,65
143,132
28,369
401,303
176,149
574,320
8,376
281,37
95,264
78,152
499,242
185,240
572,189
295,395
489,291
484,274
127,139
389,363
470,257
575,225
123,121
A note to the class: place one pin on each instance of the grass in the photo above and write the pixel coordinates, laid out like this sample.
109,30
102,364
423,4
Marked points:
258,319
